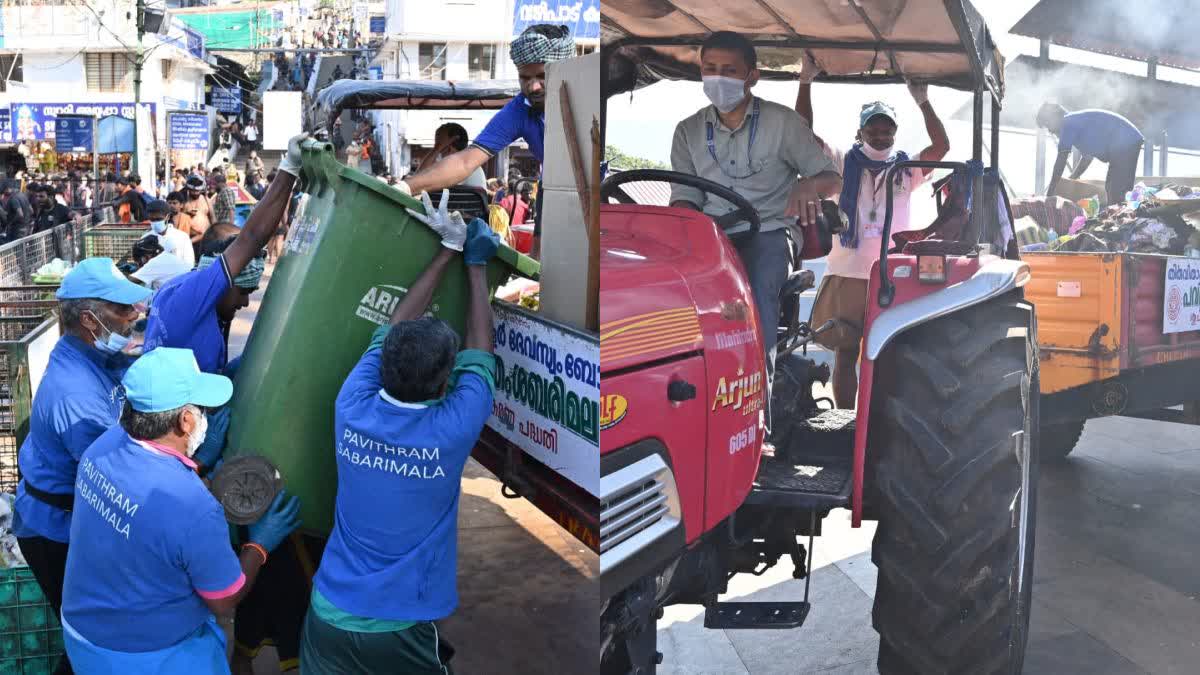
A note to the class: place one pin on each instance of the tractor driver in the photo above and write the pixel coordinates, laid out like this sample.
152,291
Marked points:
843,292
756,148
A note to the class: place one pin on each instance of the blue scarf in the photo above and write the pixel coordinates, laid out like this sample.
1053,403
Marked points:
854,162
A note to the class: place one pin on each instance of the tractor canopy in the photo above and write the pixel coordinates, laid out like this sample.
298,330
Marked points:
414,95
938,42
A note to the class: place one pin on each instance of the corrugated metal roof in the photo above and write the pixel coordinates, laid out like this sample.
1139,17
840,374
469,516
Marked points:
649,193
1148,29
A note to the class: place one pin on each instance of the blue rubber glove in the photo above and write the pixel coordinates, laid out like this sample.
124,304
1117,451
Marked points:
211,449
282,516
482,243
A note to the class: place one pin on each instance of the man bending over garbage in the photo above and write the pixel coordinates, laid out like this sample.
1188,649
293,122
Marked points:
404,424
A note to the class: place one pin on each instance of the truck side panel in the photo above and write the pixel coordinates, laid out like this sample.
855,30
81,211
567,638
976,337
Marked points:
1080,313
1148,345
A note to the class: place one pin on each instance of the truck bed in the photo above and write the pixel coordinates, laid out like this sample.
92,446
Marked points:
1102,313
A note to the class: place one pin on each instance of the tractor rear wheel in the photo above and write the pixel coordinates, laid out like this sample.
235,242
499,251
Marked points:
955,475
1058,441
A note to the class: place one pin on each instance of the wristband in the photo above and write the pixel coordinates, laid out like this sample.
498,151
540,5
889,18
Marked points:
257,547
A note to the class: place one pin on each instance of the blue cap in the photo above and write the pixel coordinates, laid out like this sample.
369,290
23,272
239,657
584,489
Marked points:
167,378
870,110
100,278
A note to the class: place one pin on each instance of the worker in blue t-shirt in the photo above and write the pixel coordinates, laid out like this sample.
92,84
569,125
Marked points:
79,398
405,421
150,562
524,117
1098,134
194,310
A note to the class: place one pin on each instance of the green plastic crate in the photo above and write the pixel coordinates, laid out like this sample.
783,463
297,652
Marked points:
31,639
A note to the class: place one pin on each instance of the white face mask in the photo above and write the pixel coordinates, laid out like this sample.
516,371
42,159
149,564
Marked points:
726,93
196,438
159,226
878,155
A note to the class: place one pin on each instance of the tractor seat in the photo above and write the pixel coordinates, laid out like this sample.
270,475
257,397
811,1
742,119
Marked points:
798,282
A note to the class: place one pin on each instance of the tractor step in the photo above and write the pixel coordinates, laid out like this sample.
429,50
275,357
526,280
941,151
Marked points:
728,615
810,485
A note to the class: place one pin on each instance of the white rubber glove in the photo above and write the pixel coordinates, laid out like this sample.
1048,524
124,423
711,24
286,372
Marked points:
403,187
810,69
919,92
290,162
449,225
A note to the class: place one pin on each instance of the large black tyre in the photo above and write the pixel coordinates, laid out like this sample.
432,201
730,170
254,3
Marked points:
1059,440
954,472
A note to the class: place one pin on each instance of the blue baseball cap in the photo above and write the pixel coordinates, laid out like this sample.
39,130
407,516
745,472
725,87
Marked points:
100,278
167,378
870,110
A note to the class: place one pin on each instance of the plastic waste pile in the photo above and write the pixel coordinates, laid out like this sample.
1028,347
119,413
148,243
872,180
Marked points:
10,553
1158,219
52,272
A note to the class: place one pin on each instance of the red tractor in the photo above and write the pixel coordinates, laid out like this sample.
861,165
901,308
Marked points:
939,449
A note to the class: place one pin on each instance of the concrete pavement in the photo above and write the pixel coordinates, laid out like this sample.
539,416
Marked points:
1116,577
524,584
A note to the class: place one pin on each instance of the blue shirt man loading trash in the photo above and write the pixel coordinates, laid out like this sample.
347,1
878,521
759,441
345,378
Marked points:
79,398
405,421
524,117
151,546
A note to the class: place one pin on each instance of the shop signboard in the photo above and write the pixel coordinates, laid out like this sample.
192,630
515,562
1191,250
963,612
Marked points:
581,16
35,121
189,131
379,24
5,128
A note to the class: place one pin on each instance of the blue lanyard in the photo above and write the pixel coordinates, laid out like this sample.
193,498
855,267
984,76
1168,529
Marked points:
712,148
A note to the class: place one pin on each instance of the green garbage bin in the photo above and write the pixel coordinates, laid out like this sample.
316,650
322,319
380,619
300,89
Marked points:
349,257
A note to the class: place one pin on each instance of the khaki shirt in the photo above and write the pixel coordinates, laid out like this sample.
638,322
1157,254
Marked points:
784,150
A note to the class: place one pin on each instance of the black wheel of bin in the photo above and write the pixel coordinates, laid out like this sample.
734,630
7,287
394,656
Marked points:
955,478
1059,440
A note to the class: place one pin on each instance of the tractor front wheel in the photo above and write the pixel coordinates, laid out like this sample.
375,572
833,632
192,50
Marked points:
954,464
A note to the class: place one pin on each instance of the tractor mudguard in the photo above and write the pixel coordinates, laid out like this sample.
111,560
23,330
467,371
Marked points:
971,281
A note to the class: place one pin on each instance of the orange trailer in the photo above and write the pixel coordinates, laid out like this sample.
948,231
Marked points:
1112,340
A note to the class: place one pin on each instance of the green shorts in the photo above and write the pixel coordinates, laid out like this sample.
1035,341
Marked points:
416,650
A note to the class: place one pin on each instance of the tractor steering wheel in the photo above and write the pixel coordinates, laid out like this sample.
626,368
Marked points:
744,211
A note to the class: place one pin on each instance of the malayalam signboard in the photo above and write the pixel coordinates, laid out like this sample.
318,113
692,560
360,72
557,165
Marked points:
1181,295
548,393
73,134
581,16
227,99
35,121
188,131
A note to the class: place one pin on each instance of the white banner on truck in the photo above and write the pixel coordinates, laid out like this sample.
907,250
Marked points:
1181,295
547,394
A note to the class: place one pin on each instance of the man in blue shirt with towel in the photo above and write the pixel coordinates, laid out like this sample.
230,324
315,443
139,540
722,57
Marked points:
405,422
150,562
1099,134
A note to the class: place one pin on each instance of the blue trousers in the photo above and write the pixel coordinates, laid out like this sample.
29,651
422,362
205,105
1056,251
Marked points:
767,260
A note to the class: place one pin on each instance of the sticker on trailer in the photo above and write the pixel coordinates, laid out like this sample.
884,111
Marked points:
1181,296
548,394
1070,289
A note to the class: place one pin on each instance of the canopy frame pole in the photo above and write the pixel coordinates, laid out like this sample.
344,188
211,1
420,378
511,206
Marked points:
1148,145
781,21
1039,156
692,18
862,14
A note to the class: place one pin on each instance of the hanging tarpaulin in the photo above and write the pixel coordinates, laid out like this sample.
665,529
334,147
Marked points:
114,134
581,16
73,134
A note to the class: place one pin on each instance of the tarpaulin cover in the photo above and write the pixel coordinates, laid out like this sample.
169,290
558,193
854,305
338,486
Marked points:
415,95
114,134
940,42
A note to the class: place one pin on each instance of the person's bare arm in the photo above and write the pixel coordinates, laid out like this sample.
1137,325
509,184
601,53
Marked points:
479,311
1060,163
420,294
939,142
804,102
261,225
447,173
251,562
1084,163
212,214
